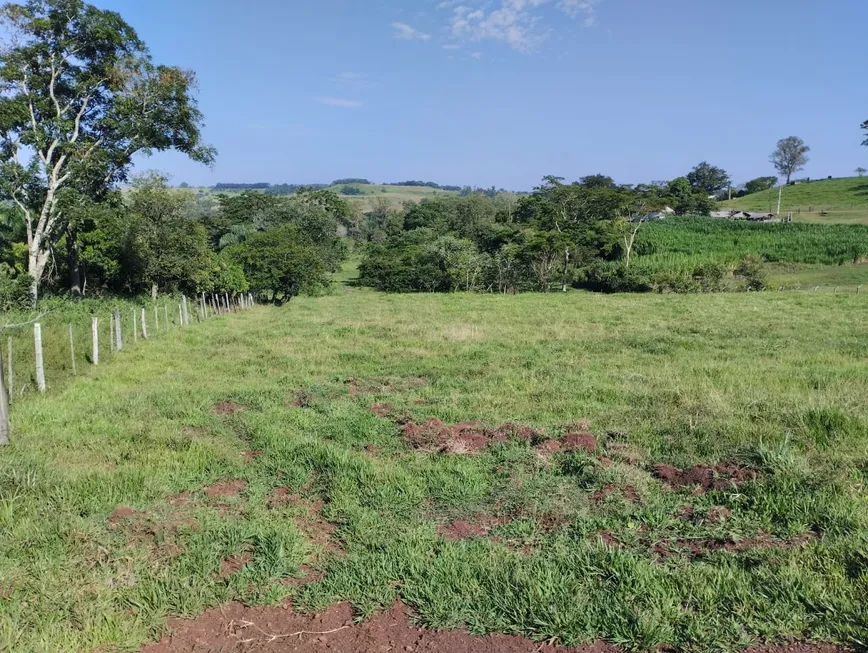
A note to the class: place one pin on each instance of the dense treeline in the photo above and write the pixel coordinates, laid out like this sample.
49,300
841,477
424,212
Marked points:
593,234
425,184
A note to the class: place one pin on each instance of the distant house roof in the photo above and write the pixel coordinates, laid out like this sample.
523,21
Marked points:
742,215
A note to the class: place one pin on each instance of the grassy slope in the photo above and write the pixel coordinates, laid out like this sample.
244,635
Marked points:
844,200
396,195
774,379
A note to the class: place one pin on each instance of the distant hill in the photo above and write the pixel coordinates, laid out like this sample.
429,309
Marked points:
366,194
825,200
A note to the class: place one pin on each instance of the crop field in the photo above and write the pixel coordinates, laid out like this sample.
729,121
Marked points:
622,472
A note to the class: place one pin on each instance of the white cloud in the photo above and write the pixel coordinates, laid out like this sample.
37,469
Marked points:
451,46
518,23
409,33
476,55
339,102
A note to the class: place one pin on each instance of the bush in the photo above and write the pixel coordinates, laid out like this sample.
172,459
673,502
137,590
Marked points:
710,276
14,292
609,277
752,270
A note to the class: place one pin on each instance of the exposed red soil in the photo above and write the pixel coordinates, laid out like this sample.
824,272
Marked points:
549,446
463,437
227,408
234,564
717,515
478,526
234,629
250,455
627,491
579,441
226,488
120,514
722,476
700,547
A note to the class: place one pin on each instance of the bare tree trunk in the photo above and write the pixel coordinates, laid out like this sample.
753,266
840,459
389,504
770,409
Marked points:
72,255
154,291
566,269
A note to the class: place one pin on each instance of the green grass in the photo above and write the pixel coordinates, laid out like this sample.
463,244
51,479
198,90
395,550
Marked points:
774,380
396,195
829,200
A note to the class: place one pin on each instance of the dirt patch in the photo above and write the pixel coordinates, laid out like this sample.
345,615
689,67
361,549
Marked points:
628,492
479,525
121,514
697,548
549,447
226,488
227,408
249,456
722,476
235,564
381,385
579,441
463,437
371,450
382,410
235,628
717,515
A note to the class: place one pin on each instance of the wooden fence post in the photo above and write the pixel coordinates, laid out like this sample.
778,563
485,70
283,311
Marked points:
135,328
4,411
94,331
119,341
144,324
9,366
72,352
180,316
156,319
37,345
166,314
186,314
111,333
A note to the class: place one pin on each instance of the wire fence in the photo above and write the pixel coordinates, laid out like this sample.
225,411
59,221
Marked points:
45,351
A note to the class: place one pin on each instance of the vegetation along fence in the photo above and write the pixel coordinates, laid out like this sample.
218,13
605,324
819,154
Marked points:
40,352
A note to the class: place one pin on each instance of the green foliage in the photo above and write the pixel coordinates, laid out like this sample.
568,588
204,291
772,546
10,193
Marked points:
790,156
283,261
759,184
351,190
707,179
752,269
687,201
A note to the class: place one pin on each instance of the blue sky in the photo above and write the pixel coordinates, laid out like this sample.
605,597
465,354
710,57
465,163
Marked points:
502,92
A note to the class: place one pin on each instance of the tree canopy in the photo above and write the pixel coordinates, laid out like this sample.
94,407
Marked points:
790,156
708,179
81,96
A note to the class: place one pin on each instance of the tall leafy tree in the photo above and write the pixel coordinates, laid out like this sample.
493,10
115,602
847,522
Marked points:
790,156
80,97
708,179
760,184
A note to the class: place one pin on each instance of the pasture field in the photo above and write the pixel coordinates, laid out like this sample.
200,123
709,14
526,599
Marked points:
842,200
686,471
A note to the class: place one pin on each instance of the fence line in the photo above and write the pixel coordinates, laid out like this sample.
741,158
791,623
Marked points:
56,346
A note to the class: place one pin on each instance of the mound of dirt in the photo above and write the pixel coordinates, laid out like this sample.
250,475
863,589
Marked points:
227,408
235,629
382,410
722,476
478,526
225,488
579,441
463,437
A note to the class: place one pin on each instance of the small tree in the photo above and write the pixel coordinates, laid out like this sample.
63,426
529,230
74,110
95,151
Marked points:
790,156
860,171
759,184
